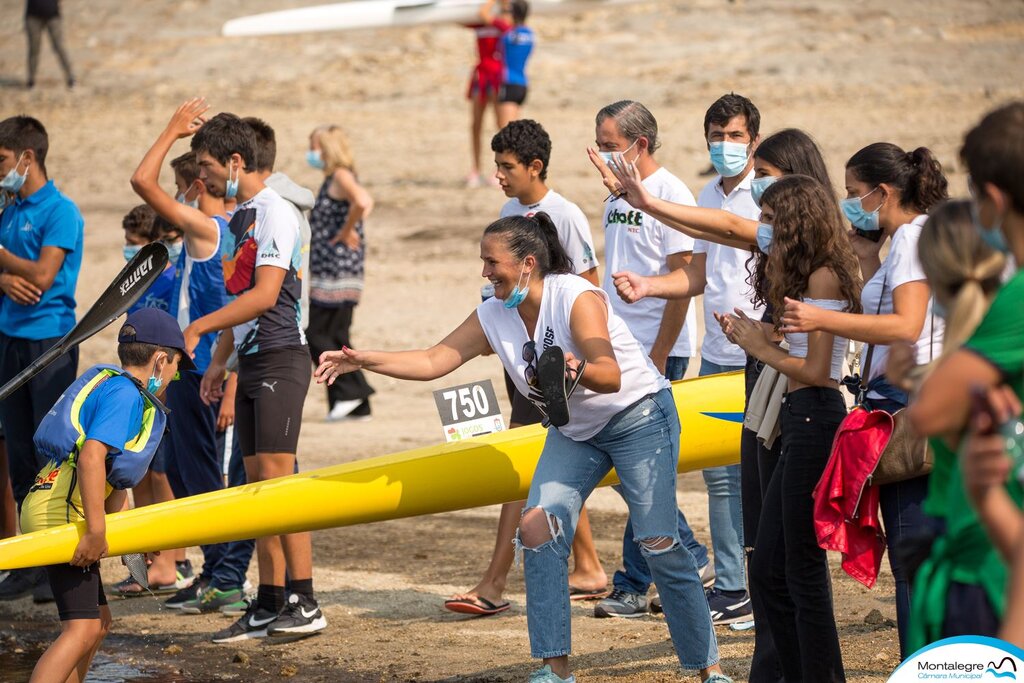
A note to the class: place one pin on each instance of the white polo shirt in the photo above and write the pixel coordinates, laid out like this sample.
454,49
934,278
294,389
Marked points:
726,272
640,243
572,225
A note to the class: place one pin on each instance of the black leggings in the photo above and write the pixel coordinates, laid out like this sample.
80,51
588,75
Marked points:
328,331
788,570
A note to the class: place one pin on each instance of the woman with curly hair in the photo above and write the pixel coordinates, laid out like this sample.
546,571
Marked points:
807,256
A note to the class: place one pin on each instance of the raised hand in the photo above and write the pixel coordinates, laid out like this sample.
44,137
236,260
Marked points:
630,184
630,286
607,177
188,118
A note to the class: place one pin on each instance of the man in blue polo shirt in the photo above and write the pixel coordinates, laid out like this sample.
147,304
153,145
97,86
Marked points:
40,256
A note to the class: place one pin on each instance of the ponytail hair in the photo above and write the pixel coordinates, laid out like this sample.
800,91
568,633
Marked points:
917,175
963,272
534,236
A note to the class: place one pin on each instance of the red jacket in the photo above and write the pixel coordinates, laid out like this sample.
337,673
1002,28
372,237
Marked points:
845,506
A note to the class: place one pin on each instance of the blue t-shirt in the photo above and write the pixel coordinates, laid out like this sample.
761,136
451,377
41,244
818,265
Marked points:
46,218
517,45
112,414
159,293
205,294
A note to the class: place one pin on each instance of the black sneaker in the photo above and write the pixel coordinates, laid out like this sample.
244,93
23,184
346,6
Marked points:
252,624
728,607
184,575
20,582
301,617
42,592
188,593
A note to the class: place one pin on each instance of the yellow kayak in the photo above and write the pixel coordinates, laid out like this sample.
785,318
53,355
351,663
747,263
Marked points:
491,469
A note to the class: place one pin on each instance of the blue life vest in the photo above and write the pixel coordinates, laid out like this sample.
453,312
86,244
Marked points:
60,435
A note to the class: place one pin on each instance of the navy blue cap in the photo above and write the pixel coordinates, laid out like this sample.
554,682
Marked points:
153,326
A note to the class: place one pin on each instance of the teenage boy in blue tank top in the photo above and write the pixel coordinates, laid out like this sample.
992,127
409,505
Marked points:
99,439
41,234
194,465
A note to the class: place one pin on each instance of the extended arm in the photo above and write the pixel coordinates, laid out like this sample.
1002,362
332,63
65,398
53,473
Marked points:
464,343
910,304
685,282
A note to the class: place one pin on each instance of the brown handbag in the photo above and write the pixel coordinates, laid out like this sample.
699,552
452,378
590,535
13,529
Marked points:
906,455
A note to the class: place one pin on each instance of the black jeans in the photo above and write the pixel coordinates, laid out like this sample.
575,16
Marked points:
788,569
22,411
756,466
328,331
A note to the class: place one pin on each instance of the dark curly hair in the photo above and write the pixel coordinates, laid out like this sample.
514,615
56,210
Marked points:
527,140
808,234
141,221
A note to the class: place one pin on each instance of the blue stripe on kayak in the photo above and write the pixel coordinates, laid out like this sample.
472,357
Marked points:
728,417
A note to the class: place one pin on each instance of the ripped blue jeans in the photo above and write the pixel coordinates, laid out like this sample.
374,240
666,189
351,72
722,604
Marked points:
642,444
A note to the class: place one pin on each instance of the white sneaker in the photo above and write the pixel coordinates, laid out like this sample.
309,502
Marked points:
341,409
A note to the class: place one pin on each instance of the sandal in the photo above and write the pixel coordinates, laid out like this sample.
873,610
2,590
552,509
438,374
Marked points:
557,383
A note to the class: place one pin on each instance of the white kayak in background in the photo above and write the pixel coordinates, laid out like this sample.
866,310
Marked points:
347,16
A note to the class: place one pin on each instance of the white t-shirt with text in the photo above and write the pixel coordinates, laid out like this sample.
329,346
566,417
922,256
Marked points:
572,225
640,243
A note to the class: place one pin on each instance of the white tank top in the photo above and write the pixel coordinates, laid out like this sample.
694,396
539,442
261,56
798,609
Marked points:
589,410
798,340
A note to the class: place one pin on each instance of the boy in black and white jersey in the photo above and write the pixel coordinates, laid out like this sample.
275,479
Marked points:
261,255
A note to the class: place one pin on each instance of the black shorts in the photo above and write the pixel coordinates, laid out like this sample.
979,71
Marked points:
523,411
78,592
272,387
515,94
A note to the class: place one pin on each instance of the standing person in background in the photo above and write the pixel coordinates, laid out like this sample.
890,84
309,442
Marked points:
39,15
888,193
300,198
41,240
485,83
665,329
516,47
194,465
336,265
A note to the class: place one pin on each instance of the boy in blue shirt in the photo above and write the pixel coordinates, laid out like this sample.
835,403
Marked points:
99,439
40,256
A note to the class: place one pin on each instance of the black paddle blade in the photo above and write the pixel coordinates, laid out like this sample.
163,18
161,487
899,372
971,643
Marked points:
127,288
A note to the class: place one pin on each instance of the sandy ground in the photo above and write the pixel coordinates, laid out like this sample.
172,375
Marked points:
915,73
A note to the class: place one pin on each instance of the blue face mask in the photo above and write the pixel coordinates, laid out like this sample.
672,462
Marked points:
154,382
174,250
516,297
13,181
231,186
853,208
729,158
182,199
764,237
993,236
130,250
315,159
759,185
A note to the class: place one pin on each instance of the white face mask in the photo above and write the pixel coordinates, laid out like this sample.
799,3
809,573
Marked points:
609,156
182,198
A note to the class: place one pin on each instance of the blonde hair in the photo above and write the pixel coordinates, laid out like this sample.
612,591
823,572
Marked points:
334,149
963,271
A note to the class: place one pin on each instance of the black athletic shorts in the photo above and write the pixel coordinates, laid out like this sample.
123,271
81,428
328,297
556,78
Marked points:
523,411
272,387
512,93
78,592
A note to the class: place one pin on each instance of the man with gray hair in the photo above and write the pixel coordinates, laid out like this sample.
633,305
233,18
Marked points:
638,242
